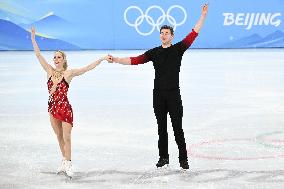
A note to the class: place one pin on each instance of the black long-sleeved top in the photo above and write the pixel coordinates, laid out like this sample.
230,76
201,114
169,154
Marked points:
167,62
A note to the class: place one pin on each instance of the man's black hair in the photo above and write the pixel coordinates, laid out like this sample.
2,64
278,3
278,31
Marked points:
167,27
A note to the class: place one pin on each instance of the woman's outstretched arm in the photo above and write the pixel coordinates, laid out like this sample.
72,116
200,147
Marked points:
80,71
47,67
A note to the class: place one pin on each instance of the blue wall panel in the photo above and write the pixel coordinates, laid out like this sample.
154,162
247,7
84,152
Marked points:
113,24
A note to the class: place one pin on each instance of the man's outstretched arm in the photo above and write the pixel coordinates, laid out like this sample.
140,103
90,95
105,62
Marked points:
141,59
124,61
201,20
188,40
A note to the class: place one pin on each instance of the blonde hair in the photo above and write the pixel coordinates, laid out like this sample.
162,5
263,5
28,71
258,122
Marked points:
65,65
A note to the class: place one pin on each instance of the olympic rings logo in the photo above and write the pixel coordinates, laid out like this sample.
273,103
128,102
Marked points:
154,24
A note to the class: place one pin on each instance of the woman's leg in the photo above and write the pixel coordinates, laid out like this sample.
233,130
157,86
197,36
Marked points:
57,127
67,128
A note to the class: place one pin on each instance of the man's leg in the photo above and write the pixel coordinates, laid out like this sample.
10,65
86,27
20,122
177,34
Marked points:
160,110
176,112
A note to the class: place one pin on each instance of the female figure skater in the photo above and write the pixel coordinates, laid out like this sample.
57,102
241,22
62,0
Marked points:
60,111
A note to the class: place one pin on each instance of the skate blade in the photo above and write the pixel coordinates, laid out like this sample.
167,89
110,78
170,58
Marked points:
69,178
166,166
184,170
60,173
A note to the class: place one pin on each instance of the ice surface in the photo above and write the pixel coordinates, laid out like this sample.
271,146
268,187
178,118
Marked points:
233,122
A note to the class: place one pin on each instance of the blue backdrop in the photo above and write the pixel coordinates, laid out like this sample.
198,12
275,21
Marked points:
114,24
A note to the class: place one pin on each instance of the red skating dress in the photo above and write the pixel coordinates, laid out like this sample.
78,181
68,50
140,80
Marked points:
58,104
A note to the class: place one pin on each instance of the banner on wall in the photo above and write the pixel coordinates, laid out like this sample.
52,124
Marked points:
110,24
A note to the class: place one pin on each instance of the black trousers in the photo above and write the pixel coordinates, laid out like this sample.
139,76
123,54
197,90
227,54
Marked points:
164,102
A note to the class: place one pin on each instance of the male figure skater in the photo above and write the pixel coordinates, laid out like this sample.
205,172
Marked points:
166,94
